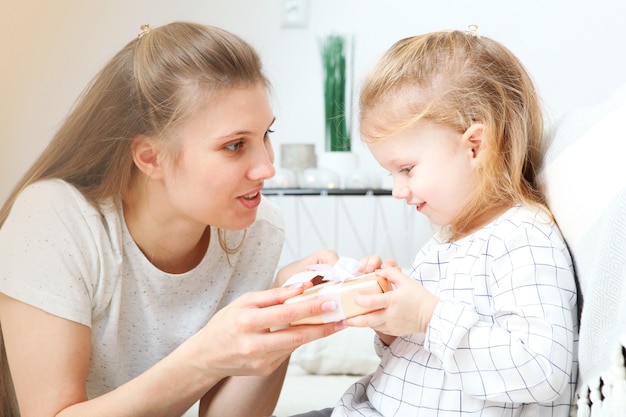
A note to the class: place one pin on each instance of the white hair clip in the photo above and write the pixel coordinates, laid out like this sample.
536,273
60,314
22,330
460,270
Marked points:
472,30
146,28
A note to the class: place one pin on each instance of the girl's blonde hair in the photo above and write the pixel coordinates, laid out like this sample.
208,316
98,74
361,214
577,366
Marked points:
456,79
150,87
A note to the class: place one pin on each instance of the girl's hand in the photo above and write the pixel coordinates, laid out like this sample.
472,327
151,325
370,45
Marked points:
238,339
372,263
405,310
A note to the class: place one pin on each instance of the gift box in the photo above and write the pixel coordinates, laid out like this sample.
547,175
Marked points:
343,293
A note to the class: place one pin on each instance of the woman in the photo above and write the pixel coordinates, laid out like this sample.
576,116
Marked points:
137,251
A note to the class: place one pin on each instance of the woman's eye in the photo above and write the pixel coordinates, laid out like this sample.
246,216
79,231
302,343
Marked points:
235,146
267,134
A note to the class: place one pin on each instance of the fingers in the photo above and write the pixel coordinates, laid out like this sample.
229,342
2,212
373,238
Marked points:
267,309
292,337
389,262
372,263
372,320
393,274
323,256
271,297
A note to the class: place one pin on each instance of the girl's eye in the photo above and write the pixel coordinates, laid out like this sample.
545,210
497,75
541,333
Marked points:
235,146
406,170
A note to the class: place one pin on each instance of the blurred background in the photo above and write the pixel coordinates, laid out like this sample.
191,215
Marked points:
49,50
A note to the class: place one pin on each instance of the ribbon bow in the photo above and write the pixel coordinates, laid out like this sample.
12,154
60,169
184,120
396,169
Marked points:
344,270
333,276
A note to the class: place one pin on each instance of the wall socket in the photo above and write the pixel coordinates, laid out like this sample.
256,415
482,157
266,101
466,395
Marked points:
294,13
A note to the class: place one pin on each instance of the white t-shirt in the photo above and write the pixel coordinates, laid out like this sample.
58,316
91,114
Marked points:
502,340
63,255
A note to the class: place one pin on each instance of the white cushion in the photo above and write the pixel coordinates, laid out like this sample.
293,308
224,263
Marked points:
350,351
584,178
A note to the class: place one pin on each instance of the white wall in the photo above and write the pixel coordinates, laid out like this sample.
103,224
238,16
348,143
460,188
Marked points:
50,49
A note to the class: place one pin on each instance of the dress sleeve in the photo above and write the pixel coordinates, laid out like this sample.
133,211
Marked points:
523,351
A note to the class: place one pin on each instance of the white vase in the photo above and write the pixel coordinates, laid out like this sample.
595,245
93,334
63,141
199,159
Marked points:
342,163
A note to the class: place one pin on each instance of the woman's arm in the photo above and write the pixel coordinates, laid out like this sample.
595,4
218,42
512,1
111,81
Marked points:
245,395
49,359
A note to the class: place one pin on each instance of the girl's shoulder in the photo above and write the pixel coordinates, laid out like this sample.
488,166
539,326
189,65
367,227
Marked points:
526,225
523,215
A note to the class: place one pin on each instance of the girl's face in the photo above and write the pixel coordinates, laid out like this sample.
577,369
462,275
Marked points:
433,167
224,156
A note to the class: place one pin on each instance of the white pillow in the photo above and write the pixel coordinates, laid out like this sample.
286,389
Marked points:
350,351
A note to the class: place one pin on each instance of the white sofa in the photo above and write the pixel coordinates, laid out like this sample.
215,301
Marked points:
584,176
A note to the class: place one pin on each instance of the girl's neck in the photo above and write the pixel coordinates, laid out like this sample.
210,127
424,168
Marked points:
480,221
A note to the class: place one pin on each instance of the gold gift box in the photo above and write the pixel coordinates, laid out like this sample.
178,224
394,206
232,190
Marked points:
364,284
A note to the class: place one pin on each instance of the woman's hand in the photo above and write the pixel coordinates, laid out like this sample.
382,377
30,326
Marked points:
238,340
405,310
323,256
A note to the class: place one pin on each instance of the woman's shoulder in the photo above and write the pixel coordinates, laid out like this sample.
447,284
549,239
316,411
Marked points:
55,193
55,203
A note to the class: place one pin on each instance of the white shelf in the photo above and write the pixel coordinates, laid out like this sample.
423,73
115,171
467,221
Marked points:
355,224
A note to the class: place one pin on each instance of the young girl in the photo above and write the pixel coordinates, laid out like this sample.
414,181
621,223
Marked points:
137,252
485,323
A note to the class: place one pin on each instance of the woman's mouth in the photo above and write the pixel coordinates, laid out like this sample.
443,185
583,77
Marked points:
251,200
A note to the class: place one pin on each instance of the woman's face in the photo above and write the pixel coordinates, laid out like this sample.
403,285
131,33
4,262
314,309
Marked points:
433,168
224,156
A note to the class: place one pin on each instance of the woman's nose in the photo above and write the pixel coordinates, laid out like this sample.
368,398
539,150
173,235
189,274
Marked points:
263,166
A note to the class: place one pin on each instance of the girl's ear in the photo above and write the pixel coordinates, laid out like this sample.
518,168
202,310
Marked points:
146,156
473,139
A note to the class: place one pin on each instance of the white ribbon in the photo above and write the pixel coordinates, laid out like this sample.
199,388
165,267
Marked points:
343,270
333,276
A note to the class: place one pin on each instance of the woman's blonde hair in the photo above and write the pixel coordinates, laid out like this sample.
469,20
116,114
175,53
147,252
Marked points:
456,79
150,87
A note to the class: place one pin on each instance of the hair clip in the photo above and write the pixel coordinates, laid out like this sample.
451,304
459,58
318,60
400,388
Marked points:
472,30
145,28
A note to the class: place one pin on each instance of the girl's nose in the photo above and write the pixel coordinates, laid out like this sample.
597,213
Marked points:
400,191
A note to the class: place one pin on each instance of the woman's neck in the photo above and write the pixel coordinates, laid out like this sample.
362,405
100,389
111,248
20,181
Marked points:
172,245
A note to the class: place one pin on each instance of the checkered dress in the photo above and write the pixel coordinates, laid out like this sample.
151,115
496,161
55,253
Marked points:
502,339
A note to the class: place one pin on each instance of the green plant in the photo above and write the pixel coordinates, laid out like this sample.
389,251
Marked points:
337,99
